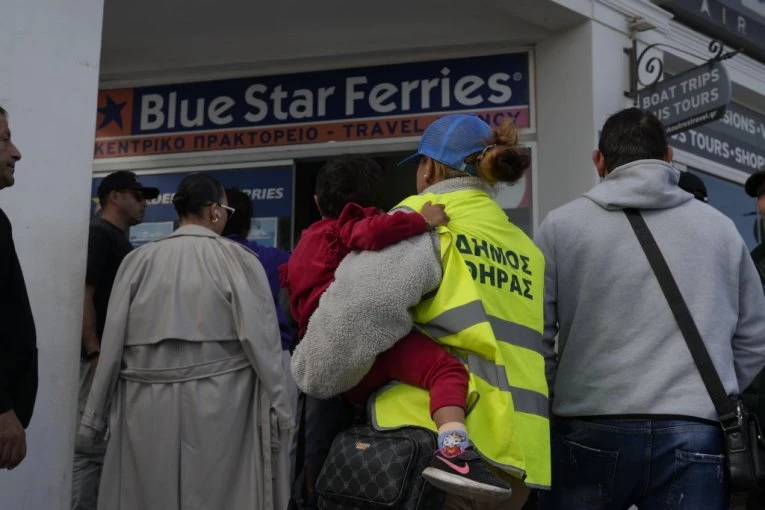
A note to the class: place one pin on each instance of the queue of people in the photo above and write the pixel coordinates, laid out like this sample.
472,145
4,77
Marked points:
552,366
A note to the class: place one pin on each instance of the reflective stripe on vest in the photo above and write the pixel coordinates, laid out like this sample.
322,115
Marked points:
470,314
488,312
525,401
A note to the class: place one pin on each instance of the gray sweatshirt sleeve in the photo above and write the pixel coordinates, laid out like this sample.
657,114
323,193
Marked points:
364,313
545,240
749,338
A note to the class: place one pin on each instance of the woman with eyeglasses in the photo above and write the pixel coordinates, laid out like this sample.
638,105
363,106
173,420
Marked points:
190,374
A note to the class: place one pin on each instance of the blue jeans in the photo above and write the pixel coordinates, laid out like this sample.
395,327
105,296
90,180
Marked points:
653,464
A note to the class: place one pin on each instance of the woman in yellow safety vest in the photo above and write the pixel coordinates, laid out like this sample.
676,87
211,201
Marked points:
475,286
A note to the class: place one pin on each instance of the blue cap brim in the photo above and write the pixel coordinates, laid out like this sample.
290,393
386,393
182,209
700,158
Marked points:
411,159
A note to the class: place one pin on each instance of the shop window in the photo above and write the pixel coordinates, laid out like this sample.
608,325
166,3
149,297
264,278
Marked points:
730,198
400,182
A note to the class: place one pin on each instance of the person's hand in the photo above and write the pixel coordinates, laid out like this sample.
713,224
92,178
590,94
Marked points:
13,440
435,215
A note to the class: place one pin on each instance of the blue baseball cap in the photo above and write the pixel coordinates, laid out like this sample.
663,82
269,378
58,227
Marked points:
451,139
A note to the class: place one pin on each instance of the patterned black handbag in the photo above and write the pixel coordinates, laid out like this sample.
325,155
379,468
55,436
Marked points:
369,469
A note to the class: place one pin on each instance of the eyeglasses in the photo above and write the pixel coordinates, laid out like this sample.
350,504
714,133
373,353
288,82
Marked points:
229,210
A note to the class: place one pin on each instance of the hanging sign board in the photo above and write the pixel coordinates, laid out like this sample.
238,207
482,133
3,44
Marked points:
690,99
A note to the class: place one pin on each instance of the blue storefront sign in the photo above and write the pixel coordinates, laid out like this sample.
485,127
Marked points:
270,189
736,141
388,101
738,23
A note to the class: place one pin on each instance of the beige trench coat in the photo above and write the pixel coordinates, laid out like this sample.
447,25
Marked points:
191,382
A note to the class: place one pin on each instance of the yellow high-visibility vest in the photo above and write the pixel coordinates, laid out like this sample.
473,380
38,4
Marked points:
488,311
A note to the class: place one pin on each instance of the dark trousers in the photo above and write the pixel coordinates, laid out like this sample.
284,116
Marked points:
653,464
323,420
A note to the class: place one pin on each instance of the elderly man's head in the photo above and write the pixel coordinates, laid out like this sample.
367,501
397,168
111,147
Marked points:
9,154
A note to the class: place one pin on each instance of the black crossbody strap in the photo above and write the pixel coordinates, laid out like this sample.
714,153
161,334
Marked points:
724,406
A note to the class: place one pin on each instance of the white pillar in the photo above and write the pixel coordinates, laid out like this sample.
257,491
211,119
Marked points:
582,74
49,61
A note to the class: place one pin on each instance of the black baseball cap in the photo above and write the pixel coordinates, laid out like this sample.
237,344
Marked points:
693,185
754,183
122,181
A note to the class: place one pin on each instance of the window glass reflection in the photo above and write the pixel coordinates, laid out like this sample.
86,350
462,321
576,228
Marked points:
731,199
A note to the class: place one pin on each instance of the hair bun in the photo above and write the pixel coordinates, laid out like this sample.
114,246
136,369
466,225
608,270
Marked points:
196,191
504,162
512,164
180,199
181,203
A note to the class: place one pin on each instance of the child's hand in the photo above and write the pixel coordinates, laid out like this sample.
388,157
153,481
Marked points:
435,215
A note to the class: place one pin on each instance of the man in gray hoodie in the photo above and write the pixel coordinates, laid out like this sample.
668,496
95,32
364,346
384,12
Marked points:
634,424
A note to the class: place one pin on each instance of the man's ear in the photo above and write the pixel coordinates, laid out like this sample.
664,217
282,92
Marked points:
600,163
669,155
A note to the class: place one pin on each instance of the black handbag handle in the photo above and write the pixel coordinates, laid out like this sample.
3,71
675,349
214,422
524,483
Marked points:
723,404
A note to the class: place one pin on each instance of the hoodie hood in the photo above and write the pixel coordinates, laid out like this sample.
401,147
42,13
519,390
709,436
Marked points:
644,184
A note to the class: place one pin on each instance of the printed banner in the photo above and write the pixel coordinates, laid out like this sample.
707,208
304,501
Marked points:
269,187
737,140
147,232
737,23
343,105
693,98
264,231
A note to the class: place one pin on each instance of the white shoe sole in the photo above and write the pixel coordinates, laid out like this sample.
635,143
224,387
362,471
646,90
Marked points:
461,486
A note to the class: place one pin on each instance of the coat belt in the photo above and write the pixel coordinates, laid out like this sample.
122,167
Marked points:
187,373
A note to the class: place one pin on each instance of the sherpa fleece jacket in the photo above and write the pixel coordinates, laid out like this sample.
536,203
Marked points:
323,245
365,311
620,351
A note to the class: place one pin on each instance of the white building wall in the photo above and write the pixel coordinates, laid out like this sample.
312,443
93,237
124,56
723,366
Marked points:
565,119
49,80
49,61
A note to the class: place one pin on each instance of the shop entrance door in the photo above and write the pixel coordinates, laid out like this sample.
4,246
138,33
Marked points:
399,183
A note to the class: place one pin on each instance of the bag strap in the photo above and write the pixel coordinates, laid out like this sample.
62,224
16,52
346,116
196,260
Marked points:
723,404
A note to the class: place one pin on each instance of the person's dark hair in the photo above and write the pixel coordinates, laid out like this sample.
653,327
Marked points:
503,161
348,179
631,135
3,112
239,223
195,192
693,185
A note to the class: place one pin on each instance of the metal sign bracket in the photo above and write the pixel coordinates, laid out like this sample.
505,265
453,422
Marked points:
653,66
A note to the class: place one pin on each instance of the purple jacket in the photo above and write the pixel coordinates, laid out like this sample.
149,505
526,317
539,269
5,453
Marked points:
271,259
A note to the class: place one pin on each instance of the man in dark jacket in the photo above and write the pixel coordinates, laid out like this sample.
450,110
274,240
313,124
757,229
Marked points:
755,187
753,396
18,340
123,203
